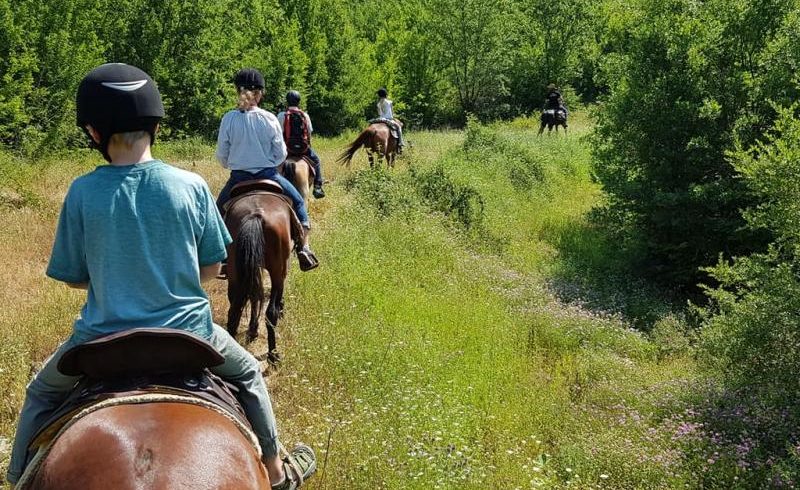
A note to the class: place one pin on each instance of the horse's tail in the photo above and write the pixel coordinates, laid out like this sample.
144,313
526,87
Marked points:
362,140
250,258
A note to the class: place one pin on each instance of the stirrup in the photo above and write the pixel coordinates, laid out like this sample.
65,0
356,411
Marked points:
307,259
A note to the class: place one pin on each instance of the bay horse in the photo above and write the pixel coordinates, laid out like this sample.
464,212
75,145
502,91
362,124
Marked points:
298,171
553,117
157,445
377,138
262,226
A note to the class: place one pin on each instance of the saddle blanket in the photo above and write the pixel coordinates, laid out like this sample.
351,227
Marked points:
393,127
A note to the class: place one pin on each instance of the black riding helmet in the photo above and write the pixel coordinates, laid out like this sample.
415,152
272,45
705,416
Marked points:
293,98
118,98
249,79
382,92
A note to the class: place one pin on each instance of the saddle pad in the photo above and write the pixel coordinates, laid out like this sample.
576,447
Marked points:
41,454
393,128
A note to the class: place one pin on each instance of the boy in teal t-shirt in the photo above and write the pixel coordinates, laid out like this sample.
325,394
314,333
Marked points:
140,236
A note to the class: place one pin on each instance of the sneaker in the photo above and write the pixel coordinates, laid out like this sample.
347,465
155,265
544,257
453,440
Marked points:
307,259
298,466
318,192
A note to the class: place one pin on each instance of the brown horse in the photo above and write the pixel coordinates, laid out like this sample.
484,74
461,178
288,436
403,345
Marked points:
157,445
262,227
298,171
377,138
553,117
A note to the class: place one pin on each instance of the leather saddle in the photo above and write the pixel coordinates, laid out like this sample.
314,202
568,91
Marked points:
265,185
297,158
140,361
257,186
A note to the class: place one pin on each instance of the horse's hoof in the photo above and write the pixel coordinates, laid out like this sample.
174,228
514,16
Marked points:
274,357
251,336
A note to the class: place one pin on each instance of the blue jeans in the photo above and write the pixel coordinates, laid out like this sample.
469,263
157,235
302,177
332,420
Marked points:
310,153
49,388
270,173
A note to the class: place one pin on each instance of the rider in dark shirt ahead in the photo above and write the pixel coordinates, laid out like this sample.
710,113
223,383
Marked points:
554,100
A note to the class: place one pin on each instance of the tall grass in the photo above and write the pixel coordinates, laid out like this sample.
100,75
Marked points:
447,340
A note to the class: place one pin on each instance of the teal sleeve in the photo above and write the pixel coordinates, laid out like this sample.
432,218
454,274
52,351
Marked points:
68,258
215,236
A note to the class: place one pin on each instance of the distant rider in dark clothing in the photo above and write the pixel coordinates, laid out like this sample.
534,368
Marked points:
554,101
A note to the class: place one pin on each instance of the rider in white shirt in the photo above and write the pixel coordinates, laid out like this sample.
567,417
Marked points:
385,111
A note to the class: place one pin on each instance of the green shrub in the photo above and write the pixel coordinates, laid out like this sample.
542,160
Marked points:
694,80
752,331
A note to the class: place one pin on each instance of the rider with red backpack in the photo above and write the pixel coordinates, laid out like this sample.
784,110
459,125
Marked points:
297,131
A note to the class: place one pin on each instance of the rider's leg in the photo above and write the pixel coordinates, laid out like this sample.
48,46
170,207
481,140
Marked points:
225,194
242,369
312,155
306,257
45,393
400,141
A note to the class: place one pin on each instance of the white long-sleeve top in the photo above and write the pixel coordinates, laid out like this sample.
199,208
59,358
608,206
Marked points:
251,140
385,109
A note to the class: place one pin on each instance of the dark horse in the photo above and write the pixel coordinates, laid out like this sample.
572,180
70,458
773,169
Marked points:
157,445
377,138
553,117
262,226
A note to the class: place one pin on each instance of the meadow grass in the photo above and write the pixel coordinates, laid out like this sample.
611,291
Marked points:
428,350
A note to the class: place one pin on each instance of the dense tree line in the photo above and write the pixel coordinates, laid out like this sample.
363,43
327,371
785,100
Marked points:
440,60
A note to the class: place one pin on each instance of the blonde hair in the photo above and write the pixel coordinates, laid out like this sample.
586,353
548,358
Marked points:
128,139
248,98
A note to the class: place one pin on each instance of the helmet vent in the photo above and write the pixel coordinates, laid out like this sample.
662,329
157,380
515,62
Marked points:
125,86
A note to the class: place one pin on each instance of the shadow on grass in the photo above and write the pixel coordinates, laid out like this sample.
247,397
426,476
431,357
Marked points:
598,273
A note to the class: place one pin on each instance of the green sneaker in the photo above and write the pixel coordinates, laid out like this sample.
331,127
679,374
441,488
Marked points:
298,466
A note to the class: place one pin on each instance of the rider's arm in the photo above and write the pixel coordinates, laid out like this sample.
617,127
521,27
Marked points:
68,258
209,271
278,146
308,121
214,236
223,142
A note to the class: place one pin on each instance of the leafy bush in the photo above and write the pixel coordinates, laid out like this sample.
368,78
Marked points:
461,202
752,330
695,78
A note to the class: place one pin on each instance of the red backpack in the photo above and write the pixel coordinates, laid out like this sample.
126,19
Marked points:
295,132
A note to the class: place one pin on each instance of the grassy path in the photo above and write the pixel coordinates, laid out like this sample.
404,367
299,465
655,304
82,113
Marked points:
421,355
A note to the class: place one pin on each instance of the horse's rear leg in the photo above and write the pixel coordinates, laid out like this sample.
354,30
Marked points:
274,313
236,300
255,314
541,129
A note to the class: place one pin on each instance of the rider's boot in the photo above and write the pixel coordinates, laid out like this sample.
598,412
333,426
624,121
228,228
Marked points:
319,193
305,256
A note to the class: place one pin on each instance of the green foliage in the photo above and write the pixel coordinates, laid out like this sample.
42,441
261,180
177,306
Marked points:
752,332
688,87
440,60
461,202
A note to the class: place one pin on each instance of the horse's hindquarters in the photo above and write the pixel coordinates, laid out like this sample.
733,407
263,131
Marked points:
156,445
